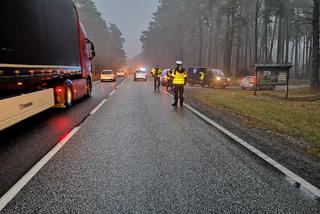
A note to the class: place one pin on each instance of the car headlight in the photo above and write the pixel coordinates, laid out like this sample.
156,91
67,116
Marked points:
229,79
218,78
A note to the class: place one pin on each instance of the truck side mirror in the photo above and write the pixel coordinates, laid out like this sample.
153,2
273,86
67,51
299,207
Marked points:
92,49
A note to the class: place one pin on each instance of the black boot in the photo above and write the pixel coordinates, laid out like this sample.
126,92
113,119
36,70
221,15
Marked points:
175,104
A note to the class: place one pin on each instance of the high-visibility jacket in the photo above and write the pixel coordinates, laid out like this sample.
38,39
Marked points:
178,78
156,72
201,76
169,75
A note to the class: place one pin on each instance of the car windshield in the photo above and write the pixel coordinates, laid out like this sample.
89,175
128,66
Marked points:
107,72
219,72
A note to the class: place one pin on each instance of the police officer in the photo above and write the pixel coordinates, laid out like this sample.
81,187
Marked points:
179,80
202,78
156,73
169,79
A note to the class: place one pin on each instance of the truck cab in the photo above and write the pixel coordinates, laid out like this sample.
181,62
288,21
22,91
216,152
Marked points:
45,58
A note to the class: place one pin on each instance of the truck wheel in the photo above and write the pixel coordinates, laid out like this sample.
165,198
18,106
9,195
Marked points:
89,87
68,99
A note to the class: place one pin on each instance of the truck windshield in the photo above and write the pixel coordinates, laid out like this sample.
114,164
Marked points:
31,33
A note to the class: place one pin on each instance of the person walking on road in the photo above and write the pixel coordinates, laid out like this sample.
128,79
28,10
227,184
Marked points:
156,73
169,79
179,80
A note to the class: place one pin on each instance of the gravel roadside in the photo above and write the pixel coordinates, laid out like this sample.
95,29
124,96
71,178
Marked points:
282,148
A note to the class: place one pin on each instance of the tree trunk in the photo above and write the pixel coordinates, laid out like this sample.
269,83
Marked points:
272,41
279,46
314,83
287,39
256,33
201,41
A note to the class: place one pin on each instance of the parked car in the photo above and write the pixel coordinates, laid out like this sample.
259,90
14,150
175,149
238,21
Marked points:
163,77
121,73
108,75
249,82
213,77
140,74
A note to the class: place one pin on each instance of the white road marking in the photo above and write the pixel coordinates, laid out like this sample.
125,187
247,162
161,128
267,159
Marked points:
291,175
15,189
98,107
112,92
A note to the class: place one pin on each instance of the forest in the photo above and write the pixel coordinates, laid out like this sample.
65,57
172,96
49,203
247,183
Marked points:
107,38
234,35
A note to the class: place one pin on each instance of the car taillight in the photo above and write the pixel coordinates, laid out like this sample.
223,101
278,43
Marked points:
59,90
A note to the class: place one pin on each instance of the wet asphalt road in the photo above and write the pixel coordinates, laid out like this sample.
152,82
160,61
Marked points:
21,146
139,155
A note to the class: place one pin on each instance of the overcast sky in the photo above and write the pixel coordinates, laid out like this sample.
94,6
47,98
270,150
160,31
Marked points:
131,16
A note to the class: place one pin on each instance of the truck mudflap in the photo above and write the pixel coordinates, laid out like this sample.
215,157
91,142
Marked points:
18,108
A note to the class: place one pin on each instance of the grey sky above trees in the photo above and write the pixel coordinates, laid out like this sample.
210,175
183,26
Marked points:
131,16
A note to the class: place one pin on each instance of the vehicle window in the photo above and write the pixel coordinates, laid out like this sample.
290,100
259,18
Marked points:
203,70
106,72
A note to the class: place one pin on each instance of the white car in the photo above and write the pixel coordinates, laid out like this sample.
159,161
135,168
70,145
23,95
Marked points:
108,75
121,73
249,82
140,75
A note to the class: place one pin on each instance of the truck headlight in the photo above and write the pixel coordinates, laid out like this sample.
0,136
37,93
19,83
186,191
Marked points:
218,78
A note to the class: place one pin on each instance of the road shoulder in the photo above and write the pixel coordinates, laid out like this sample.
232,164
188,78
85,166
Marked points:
282,148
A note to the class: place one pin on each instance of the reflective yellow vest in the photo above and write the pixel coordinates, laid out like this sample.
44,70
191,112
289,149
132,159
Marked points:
155,73
178,78
201,76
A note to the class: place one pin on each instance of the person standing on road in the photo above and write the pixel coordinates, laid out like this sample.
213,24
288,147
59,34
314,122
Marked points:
202,78
179,80
156,73
169,79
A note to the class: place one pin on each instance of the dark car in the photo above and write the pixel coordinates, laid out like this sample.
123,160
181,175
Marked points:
213,77
219,79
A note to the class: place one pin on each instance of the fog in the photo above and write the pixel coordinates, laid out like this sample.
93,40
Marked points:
131,16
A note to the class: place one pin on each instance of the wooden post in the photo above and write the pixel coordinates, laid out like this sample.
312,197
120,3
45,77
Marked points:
256,83
287,90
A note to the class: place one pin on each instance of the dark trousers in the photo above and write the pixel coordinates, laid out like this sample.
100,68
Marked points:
178,93
156,83
169,84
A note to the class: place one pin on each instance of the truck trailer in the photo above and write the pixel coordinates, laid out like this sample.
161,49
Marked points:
45,58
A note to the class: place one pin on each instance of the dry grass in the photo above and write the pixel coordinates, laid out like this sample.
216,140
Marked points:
300,119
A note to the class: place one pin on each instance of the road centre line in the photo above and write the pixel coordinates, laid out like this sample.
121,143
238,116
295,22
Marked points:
15,189
98,107
291,175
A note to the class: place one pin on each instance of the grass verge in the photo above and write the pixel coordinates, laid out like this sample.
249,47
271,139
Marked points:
268,110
